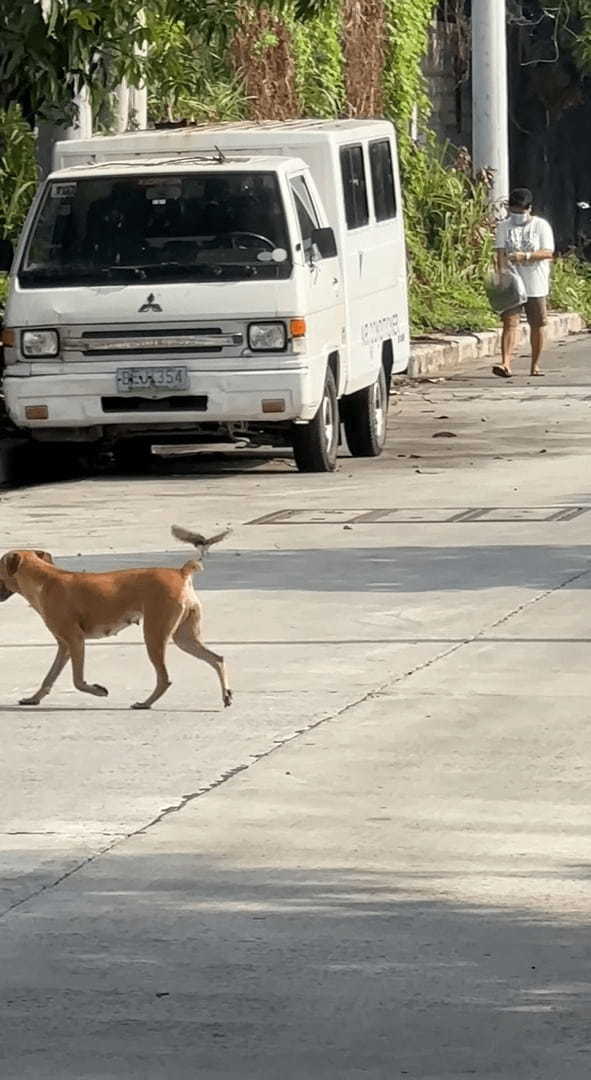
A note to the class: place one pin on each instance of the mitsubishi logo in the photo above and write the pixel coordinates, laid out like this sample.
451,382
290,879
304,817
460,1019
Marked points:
150,304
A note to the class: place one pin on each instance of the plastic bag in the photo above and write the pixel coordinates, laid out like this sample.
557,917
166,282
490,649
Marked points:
505,289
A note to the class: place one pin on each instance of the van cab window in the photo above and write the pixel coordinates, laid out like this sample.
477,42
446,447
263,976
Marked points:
354,186
382,179
305,209
201,226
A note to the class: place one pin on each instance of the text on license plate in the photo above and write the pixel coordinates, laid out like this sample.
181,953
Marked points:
153,378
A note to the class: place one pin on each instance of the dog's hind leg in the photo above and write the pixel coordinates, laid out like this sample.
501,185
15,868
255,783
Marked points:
187,638
76,647
157,635
55,670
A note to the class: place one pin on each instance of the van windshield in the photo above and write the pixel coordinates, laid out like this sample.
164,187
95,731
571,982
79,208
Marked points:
205,227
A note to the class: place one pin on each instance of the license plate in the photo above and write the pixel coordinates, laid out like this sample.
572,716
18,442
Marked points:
153,378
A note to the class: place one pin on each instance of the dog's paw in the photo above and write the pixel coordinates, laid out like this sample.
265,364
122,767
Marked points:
140,705
228,698
29,701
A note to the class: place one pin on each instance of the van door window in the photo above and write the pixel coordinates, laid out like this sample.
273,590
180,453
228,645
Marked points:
382,179
305,209
354,186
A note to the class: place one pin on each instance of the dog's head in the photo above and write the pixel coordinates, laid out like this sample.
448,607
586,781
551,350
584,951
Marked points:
11,564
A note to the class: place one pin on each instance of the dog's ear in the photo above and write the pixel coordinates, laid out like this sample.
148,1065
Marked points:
12,562
45,556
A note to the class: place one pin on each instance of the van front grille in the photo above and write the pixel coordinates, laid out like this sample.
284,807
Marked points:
153,342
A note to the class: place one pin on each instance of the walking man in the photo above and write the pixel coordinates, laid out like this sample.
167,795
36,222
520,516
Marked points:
527,243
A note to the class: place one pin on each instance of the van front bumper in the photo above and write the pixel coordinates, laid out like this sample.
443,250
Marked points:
92,400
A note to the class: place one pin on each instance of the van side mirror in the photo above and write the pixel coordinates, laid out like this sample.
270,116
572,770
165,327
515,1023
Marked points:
324,240
6,255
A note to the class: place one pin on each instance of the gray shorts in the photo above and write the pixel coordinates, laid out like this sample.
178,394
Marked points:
536,312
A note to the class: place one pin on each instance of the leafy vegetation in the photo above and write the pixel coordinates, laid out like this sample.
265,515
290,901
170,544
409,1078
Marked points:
318,55
18,175
407,25
48,49
449,228
571,286
450,242
187,72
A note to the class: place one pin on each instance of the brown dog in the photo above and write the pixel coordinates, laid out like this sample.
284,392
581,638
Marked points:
77,607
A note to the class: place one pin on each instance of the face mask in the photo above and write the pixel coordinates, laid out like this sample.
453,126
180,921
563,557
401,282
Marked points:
520,219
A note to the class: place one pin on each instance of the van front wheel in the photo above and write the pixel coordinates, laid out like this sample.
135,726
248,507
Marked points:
365,416
315,444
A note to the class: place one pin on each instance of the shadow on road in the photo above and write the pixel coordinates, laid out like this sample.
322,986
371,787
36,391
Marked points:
404,569
171,966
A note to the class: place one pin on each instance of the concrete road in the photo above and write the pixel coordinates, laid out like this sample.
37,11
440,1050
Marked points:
377,863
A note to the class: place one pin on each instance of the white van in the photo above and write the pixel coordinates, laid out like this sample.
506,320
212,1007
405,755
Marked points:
228,282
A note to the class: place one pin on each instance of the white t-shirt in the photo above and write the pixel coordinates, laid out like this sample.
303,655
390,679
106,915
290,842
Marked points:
535,235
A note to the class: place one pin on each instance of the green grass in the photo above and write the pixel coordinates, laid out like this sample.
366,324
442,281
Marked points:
571,286
450,244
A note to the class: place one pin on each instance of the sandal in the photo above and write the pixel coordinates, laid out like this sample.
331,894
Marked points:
537,374
502,372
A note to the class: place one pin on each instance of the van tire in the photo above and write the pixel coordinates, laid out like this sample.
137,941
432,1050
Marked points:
315,445
365,416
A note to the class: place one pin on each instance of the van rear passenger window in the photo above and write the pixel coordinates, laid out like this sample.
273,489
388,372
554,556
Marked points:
382,179
354,186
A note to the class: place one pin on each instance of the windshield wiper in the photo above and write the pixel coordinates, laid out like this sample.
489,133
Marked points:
174,267
75,273
72,274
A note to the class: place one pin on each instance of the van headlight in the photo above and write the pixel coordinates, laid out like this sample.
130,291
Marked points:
37,344
267,337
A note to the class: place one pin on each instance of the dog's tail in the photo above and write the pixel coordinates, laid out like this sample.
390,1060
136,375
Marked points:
193,566
197,540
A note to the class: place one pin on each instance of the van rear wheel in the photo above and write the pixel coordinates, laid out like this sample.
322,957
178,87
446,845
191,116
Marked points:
365,416
315,445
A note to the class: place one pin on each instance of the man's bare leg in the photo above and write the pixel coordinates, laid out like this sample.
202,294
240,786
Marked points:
538,338
508,342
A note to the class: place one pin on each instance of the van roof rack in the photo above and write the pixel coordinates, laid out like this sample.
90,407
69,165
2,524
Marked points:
184,157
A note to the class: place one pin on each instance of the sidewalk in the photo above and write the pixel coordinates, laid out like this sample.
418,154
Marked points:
442,354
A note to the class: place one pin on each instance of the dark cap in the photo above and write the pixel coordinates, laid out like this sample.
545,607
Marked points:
521,198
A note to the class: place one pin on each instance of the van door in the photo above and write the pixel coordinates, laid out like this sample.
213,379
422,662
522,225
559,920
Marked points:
323,285
375,259
390,247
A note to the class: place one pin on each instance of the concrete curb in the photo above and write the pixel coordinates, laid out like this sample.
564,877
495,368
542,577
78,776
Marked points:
445,355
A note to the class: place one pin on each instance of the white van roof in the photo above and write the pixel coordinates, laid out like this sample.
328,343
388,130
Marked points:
242,136
184,162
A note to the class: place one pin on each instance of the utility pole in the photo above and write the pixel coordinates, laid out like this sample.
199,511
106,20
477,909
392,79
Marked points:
132,101
490,99
82,126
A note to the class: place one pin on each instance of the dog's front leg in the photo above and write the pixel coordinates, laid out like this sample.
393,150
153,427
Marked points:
76,647
55,670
